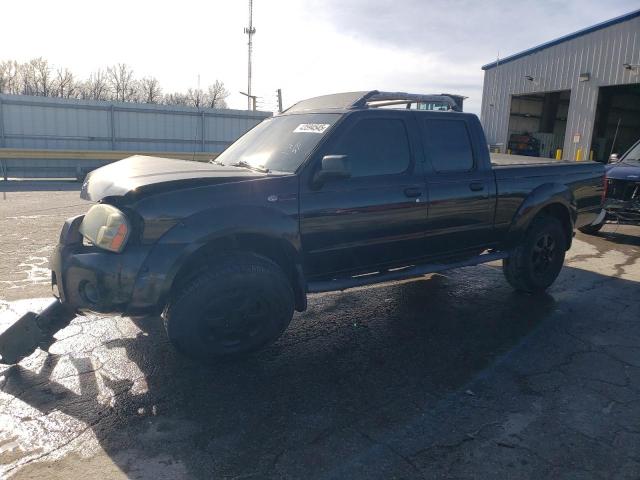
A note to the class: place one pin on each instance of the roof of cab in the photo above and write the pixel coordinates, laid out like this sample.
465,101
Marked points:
373,99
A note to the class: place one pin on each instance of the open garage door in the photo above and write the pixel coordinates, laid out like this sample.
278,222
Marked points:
617,125
537,123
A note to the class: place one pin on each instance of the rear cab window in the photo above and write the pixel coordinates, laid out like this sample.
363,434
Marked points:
448,145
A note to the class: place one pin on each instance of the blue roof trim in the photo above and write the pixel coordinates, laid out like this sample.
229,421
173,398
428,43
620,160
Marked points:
571,36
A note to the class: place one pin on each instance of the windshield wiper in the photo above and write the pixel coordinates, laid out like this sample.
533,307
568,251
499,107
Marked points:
216,162
245,164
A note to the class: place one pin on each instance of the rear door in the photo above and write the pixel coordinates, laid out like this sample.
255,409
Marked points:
461,187
379,215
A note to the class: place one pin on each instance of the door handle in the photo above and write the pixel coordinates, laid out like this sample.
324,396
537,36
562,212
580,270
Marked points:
413,192
476,186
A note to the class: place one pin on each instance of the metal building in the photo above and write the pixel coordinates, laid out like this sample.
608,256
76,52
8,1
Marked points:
579,94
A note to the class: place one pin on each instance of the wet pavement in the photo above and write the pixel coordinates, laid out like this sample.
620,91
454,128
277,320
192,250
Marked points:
453,376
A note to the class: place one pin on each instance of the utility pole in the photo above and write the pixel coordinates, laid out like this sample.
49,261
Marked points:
279,92
251,100
250,31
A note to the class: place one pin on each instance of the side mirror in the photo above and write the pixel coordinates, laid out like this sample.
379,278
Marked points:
613,158
332,167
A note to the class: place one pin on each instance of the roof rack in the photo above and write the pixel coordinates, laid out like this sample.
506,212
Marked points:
375,99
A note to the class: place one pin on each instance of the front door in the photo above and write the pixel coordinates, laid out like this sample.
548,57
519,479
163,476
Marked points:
375,218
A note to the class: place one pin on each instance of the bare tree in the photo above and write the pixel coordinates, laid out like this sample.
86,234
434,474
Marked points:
65,84
118,83
96,87
28,84
122,83
150,91
197,97
176,98
216,95
10,77
37,77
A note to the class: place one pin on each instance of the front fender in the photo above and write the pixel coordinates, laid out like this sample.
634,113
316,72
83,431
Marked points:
540,198
176,246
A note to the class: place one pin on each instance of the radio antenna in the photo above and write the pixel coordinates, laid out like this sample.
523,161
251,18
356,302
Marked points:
250,31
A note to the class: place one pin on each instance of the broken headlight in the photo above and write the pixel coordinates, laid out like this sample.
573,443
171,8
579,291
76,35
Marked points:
106,227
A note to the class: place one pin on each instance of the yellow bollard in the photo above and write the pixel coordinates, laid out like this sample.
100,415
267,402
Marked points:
591,155
559,154
579,155
509,151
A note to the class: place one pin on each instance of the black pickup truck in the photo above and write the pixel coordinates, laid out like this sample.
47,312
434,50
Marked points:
338,191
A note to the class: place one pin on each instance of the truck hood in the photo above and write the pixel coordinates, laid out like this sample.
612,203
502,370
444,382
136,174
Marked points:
623,171
141,174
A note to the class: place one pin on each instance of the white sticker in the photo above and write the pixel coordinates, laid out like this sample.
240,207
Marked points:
311,128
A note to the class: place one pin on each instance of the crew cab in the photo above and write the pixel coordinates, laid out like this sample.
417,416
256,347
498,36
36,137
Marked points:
621,198
338,191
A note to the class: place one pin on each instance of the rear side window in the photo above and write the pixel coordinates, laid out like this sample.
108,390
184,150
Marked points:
448,145
376,146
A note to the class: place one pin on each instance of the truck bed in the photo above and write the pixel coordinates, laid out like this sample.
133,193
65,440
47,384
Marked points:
517,176
505,160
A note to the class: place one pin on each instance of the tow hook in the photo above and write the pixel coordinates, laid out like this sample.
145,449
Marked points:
34,330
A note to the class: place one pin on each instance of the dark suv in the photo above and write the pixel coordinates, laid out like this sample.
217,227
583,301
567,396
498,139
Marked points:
621,199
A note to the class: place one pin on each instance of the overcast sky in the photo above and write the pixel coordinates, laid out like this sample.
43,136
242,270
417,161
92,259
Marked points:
305,47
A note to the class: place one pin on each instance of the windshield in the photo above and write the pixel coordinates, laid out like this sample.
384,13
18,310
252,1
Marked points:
279,143
633,156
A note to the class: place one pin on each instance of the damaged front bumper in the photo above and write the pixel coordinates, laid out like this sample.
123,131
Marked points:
90,278
85,278
623,211
34,330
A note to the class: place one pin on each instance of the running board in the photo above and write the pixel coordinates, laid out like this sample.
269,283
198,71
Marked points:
340,284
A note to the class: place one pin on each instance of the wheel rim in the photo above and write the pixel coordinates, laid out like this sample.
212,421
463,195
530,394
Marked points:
235,321
543,254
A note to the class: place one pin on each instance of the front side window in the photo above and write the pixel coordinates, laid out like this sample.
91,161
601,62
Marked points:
376,146
448,145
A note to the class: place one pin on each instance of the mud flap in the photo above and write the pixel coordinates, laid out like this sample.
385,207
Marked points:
34,330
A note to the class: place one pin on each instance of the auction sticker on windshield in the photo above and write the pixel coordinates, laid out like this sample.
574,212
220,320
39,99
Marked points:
311,128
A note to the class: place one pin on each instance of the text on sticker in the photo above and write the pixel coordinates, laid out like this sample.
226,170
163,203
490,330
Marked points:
311,128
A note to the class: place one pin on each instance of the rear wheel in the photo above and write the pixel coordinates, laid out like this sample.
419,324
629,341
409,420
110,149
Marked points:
536,263
238,305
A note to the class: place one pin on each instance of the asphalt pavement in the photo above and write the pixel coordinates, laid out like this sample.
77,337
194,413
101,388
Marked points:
452,376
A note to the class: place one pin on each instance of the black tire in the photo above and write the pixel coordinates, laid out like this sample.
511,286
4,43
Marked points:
536,263
243,302
591,229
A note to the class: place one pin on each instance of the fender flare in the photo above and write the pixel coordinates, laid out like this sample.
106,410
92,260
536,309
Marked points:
171,252
538,199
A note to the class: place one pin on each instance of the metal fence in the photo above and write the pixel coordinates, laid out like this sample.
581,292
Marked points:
53,123
59,138
21,163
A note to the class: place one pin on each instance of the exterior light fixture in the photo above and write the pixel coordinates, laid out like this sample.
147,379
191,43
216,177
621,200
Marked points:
634,68
529,77
584,77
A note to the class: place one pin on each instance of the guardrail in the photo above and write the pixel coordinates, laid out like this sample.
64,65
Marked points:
63,164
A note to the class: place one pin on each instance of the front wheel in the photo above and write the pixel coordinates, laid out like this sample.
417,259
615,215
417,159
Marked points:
241,303
536,263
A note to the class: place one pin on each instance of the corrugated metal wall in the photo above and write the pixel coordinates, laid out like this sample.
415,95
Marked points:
52,123
601,53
